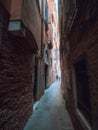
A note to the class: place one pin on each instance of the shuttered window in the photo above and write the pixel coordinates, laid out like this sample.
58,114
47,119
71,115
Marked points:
82,86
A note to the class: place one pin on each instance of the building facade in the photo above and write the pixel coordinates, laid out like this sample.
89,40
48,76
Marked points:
53,34
79,62
23,35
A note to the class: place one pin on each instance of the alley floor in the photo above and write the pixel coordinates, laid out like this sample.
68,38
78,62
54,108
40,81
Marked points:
50,112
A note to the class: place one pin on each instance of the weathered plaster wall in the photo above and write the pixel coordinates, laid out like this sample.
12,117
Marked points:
31,19
16,9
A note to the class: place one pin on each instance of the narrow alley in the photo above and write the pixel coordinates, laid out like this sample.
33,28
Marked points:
50,113
48,64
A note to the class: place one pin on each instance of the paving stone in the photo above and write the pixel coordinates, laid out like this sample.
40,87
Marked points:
51,113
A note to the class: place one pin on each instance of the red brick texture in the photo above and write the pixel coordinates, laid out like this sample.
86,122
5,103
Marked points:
83,39
16,87
88,45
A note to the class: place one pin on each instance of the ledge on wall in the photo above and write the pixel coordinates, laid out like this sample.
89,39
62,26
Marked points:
83,121
18,29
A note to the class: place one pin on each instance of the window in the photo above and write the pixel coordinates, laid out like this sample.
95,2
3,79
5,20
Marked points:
82,87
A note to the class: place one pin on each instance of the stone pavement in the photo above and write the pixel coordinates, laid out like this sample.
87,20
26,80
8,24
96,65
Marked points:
50,113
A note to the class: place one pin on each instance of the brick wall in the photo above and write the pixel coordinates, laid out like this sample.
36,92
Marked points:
88,45
16,85
83,39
